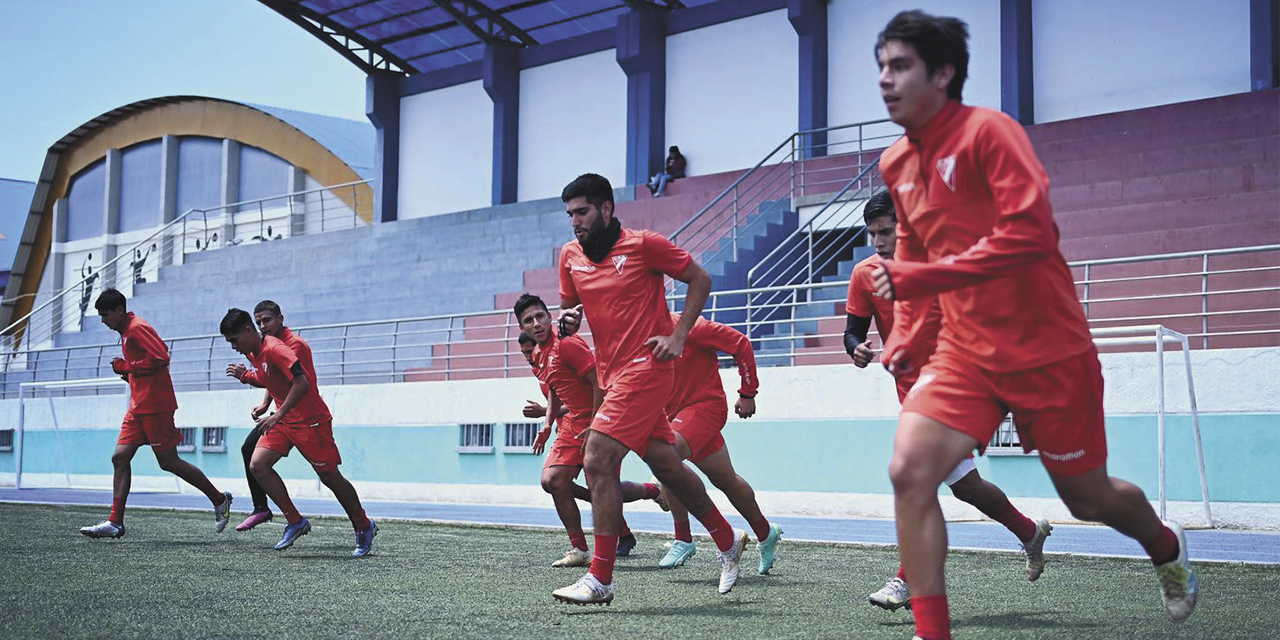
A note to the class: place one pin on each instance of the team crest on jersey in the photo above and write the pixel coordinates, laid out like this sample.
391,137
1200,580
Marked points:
947,170
618,261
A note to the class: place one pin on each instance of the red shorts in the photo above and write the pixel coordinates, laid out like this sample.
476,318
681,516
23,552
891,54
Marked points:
1057,408
904,386
155,429
567,449
633,411
314,441
700,426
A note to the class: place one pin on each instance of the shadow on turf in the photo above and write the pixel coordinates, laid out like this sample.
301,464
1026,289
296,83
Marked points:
726,608
1025,620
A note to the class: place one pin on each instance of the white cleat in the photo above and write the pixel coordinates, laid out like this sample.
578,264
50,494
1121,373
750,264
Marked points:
892,596
661,500
729,561
222,513
587,590
1178,586
574,558
1034,550
104,529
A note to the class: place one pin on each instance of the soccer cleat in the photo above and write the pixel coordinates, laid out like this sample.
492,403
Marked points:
1034,550
574,558
587,590
892,596
292,533
678,554
769,548
222,513
729,561
1178,586
104,529
626,544
364,541
256,518
661,500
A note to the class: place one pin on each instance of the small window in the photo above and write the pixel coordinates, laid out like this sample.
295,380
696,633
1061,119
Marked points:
475,438
188,439
6,439
520,437
1006,441
215,440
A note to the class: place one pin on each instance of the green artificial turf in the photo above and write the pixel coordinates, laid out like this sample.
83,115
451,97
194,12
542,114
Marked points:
172,577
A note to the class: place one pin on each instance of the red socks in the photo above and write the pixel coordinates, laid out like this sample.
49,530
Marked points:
1164,548
719,528
933,617
683,533
117,511
361,523
602,562
289,511
902,573
651,491
760,528
1015,521
578,540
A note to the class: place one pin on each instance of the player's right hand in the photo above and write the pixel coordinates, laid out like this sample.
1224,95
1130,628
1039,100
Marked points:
540,443
570,321
534,410
236,371
863,355
257,411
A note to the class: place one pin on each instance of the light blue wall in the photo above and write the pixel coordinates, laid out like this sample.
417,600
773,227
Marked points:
85,201
848,456
140,186
262,174
199,173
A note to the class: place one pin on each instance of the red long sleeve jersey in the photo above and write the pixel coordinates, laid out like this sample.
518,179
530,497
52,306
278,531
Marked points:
975,228
697,377
146,360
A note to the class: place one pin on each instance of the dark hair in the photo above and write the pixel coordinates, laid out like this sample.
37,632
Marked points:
526,339
594,187
525,301
938,40
235,321
879,205
674,149
267,305
110,299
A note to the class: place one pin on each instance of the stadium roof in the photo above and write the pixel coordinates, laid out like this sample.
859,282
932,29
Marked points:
417,36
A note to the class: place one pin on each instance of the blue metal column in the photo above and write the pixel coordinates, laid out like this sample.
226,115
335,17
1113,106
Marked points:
382,105
1017,91
642,54
1264,36
809,19
502,83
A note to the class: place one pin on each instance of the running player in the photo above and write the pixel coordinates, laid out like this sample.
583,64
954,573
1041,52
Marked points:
700,411
149,420
965,483
271,323
301,420
975,229
567,370
615,277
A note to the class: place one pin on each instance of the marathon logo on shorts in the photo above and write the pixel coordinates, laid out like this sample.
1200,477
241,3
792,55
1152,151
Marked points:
1063,457
618,261
584,268
604,417
906,187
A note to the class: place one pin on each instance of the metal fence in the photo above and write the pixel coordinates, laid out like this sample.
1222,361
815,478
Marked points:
141,258
807,327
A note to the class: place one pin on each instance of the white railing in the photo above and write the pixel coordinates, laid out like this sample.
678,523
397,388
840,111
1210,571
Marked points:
306,212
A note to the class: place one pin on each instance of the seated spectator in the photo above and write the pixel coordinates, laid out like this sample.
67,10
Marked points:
674,169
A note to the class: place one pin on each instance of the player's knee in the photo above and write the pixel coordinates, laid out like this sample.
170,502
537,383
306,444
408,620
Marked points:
259,468
553,484
600,466
120,459
908,478
1084,509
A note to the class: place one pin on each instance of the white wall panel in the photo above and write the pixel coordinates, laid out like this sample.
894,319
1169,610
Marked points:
732,91
446,151
1103,56
573,120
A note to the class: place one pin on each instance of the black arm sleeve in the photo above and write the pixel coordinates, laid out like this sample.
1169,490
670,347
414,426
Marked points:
296,369
855,332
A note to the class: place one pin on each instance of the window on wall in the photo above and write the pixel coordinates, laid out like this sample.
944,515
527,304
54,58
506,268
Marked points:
262,175
520,437
188,443
140,168
1006,440
85,201
215,440
6,439
199,173
475,438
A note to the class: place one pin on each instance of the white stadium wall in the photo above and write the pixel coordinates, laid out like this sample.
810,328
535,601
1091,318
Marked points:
446,151
853,93
573,120
731,91
1101,56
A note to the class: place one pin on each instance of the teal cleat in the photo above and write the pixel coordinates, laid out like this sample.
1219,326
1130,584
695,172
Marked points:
769,548
678,554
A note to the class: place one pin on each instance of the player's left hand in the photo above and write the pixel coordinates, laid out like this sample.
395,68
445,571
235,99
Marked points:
884,285
534,409
540,443
118,365
666,347
236,371
745,407
899,365
267,422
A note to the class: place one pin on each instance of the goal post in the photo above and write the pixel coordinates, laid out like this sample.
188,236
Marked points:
32,391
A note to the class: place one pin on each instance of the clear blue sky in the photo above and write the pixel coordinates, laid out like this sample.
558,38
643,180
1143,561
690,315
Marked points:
64,62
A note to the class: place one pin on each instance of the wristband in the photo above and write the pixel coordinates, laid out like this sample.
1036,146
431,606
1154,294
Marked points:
745,397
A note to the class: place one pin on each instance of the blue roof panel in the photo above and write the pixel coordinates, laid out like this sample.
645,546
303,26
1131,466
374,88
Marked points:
351,140
15,203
